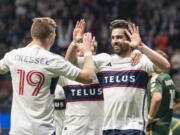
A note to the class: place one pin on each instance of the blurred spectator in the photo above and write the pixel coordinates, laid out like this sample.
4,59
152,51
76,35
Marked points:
161,41
64,34
149,39
174,40
21,7
175,61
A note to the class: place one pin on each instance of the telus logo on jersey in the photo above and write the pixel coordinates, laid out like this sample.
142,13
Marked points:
131,78
59,104
123,78
91,92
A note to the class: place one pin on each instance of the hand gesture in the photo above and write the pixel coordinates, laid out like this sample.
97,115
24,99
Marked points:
134,36
88,42
79,30
152,121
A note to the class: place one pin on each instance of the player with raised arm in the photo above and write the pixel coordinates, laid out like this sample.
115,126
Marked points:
82,99
34,71
84,102
124,85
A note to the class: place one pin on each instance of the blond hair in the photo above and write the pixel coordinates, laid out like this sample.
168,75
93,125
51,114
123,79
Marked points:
42,27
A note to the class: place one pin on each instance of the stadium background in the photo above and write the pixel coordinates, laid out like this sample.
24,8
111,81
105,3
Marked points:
159,23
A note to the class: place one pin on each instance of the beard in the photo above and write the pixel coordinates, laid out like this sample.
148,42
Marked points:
121,48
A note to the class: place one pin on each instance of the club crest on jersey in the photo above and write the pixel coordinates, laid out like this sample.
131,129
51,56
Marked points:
132,78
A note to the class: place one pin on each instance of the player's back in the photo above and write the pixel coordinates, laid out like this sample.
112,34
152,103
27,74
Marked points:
32,78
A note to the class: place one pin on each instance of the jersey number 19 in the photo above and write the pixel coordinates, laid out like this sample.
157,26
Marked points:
28,78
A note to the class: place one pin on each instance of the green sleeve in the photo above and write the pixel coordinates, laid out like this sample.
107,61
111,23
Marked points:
156,85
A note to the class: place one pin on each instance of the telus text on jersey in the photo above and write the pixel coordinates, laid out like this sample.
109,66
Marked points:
86,92
123,78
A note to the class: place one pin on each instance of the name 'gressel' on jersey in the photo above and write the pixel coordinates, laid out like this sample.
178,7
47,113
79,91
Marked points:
83,92
30,59
130,78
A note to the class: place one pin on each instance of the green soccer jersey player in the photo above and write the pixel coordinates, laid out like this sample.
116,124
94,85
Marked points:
161,95
161,84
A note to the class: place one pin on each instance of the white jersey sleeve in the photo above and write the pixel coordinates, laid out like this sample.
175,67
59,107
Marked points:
57,65
99,61
4,63
60,66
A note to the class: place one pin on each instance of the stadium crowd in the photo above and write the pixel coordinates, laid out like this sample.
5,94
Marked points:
159,23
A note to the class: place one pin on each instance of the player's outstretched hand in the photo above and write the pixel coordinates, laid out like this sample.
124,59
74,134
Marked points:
134,36
88,42
79,30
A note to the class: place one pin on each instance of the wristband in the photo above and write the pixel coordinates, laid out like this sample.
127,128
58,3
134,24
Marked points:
74,43
87,54
150,117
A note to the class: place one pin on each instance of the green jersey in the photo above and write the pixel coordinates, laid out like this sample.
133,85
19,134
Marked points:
163,84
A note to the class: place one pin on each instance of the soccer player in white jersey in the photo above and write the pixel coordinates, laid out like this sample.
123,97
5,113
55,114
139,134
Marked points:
84,102
59,106
34,70
124,84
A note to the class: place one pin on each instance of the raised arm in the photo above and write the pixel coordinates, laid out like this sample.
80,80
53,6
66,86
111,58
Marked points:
77,37
136,42
71,53
86,75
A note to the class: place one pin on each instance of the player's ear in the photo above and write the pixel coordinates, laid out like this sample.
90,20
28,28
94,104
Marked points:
50,37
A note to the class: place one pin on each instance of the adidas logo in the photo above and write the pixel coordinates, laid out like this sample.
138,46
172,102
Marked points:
109,64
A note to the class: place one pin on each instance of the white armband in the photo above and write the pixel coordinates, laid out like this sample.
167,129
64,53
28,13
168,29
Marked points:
74,43
88,54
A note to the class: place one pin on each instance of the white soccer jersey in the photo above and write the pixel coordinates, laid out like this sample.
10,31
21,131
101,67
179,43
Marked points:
34,71
59,113
124,88
84,108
